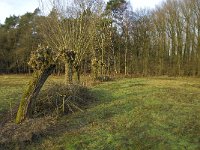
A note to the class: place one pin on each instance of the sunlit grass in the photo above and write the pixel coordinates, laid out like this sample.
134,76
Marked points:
138,113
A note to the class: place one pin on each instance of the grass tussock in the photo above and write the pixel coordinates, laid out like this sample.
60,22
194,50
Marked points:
17,136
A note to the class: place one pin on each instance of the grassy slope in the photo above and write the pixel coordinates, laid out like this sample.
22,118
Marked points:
141,113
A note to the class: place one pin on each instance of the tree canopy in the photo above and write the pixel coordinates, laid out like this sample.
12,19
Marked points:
162,41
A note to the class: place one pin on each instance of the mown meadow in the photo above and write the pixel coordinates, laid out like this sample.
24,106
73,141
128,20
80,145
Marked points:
131,113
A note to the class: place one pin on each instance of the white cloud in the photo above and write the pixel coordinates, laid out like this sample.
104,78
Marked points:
137,4
20,7
4,10
17,7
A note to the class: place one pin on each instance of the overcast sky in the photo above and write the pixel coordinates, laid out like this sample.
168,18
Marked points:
20,7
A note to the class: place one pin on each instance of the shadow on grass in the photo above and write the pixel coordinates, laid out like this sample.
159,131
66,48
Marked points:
34,131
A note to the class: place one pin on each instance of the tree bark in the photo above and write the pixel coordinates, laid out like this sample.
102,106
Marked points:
66,73
30,95
70,72
125,61
78,69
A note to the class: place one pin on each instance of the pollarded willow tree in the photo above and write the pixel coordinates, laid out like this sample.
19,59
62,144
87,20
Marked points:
43,62
72,27
68,32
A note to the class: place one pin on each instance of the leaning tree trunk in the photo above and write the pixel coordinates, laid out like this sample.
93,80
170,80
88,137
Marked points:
30,95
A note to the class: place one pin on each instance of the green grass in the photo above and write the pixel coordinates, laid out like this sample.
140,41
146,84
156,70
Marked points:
11,88
138,113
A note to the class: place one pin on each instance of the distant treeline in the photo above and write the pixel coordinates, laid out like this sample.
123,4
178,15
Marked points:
162,41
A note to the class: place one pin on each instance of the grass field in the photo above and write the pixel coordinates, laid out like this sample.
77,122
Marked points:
138,113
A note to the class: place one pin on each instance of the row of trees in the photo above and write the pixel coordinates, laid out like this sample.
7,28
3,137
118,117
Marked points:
17,40
176,37
107,38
